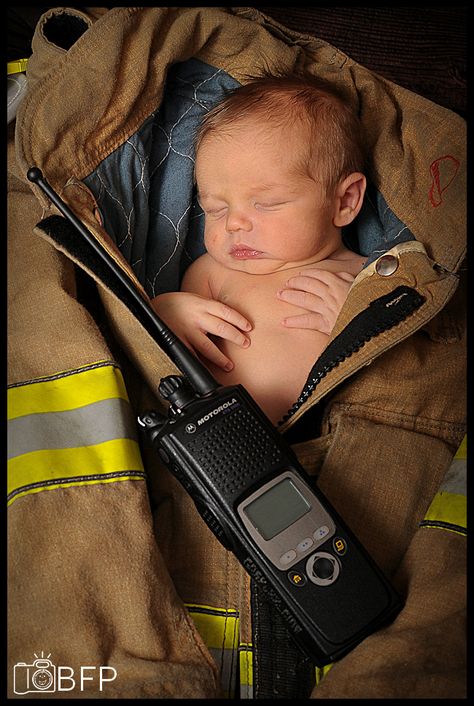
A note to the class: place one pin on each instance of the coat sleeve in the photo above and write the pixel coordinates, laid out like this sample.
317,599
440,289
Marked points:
89,592
422,654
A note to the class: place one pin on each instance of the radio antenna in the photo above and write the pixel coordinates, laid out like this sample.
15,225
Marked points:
198,375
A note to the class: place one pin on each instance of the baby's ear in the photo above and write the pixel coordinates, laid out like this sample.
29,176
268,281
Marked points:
349,199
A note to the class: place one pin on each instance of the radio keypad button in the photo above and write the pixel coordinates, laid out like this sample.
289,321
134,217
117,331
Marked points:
321,532
287,557
304,544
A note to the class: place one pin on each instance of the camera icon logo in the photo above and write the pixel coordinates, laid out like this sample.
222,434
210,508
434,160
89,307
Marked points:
37,677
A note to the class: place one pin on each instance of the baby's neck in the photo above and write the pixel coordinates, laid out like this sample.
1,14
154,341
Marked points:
340,252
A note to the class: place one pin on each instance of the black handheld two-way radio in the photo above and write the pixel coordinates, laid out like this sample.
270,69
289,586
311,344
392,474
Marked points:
255,496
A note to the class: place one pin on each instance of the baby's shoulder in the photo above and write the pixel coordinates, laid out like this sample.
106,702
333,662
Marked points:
204,260
201,273
205,265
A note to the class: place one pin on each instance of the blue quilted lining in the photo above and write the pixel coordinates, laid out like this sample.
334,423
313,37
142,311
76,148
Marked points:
146,194
145,189
377,228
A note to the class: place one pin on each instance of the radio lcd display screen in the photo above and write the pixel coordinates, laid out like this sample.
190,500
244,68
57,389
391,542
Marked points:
277,509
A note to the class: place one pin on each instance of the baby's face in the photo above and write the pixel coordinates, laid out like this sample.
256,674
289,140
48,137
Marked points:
262,214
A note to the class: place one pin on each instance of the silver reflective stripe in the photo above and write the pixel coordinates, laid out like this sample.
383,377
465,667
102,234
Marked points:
71,429
455,479
85,426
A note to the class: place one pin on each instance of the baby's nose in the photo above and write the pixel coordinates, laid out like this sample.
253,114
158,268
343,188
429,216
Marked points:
237,220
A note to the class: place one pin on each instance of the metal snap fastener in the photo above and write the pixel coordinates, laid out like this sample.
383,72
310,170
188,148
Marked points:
386,265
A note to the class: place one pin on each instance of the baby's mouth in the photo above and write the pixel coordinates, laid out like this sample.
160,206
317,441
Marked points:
244,252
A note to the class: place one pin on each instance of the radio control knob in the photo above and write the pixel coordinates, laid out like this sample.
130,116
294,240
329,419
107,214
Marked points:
323,568
177,391
169,385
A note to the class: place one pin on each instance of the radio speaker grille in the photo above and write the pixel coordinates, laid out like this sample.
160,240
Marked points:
234,451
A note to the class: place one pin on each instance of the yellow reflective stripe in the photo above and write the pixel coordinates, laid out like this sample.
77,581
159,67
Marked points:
219,628
447,511
246,664
68,390
52,464
17,66
53,485
321,672
461,453
96,449
212,609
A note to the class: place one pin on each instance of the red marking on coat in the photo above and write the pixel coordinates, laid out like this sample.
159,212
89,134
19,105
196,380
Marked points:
443,171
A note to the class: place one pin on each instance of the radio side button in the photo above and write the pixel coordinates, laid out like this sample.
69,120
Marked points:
164,455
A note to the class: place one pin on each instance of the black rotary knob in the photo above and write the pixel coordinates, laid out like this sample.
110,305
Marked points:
176,390
323,568
170,385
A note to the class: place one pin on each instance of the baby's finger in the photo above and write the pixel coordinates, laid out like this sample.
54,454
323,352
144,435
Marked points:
311,320
298,297
326,276
314,285
222,329
205,346
318,281
346,276
232,316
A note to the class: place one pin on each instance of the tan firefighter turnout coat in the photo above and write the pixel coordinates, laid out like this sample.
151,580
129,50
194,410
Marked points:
117,588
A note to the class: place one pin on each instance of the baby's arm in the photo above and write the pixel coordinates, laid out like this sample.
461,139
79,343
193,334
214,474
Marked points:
193,314
321,293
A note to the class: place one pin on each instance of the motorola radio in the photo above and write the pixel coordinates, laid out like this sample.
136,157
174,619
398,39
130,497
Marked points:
254,495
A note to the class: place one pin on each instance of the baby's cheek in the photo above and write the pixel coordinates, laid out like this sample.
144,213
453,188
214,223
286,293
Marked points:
211,235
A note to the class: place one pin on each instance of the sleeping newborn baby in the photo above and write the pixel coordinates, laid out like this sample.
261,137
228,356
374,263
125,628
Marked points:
278,175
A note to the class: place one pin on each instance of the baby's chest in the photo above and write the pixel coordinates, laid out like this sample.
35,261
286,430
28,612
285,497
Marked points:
256,298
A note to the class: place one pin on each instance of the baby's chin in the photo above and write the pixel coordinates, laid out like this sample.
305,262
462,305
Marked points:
257,266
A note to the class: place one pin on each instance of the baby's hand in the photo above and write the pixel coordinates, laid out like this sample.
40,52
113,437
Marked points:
193,317
322,293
